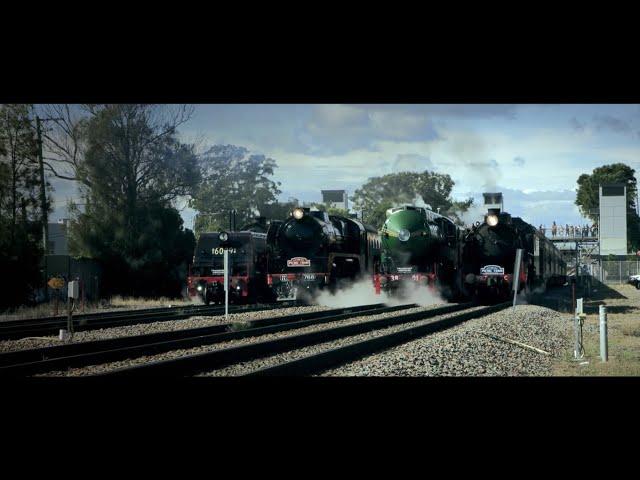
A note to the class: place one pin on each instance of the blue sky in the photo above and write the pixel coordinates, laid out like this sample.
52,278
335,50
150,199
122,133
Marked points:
532,153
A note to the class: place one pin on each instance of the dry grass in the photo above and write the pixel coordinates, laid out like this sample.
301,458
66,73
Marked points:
623,328
115,303
130,302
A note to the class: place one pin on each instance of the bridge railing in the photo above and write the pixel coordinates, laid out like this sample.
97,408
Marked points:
571,238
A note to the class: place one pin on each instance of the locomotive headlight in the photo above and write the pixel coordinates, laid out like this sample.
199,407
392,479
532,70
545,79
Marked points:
224,236
199,288
298,213
492,220
404,234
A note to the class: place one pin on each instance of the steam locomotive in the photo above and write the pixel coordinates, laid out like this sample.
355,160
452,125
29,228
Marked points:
247,267
489,257
421,247
314,250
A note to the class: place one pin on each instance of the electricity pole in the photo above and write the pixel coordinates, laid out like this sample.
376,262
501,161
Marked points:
43,206
43,201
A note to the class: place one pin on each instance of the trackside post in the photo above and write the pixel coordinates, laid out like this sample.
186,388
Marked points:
226,283
604,347
516,274
578,321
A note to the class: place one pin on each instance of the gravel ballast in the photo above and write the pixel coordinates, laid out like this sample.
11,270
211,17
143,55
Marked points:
155,327
246,367
466,350
106,367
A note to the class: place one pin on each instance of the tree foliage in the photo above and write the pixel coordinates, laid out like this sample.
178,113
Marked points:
279,210
588,199
323,207
65,140
232,178
381,193
20,209
133,168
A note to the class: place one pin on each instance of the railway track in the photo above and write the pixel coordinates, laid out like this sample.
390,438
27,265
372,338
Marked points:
14,329
401,328
60,357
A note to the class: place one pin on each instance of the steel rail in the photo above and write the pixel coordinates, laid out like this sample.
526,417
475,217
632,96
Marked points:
132,312
193,364
115,313
107,321
336,357
32,361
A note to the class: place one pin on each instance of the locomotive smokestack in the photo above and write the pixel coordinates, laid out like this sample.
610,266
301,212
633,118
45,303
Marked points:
493,202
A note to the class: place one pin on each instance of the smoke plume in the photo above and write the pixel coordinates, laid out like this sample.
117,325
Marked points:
362,292
475,214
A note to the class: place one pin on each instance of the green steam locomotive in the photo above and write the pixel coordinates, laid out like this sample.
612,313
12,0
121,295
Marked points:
419,247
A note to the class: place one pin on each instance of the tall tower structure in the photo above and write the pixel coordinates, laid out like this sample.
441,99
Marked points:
613,219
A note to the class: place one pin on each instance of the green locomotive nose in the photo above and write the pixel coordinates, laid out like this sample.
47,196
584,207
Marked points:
406,231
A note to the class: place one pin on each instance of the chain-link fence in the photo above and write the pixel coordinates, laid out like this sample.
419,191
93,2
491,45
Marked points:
616,271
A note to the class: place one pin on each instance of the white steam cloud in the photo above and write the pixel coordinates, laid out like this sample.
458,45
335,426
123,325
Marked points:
472,153
362,292
475,214
419,202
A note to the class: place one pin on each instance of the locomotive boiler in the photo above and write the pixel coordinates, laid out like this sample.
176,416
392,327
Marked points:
312,250
418,246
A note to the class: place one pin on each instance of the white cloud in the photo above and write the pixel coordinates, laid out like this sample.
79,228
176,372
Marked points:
340,128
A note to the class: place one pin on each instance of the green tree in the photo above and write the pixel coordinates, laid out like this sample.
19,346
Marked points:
232,178
134,167
588,197
20,221
381,193
278,210
323,207
435,190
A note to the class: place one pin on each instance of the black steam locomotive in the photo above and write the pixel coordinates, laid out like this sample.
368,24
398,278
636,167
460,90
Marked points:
247,267
489,257
312,249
